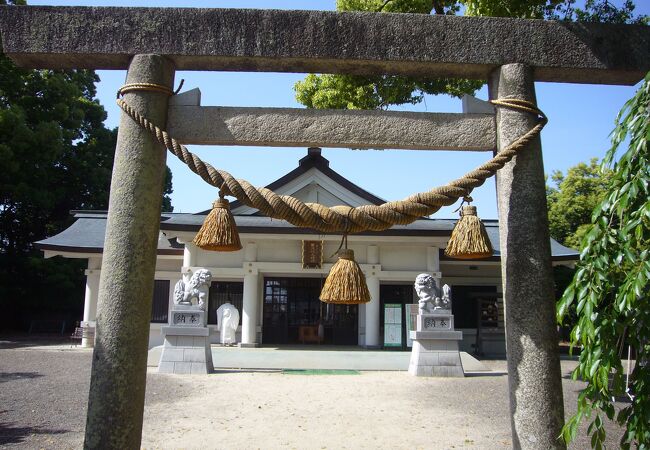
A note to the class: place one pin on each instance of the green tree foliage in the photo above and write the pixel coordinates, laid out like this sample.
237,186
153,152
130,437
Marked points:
604,11
610,289
380,92
571,200
399,6
167,190
56,156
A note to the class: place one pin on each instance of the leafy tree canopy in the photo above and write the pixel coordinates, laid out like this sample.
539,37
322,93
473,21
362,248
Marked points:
572,198
610,290
57,156
380,92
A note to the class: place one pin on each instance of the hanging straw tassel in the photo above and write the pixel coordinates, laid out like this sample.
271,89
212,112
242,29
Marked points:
219,231
469,240
346,283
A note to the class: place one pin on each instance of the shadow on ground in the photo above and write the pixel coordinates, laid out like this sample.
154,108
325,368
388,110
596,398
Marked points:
19,341
12,433
485,374
11,376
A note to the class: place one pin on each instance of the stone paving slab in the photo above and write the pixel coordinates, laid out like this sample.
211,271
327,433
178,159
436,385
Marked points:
335,358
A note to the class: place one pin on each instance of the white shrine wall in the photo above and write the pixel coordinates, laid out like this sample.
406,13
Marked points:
384,260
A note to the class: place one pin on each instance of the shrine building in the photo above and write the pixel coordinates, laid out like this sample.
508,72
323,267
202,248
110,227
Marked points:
275,280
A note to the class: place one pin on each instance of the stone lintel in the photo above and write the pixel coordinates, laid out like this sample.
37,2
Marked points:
294,127
324,42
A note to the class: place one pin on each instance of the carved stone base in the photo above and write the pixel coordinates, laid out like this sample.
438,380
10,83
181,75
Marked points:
186,350
435,347
435,358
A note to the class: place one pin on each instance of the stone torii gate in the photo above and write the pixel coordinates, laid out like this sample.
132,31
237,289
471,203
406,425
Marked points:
152,43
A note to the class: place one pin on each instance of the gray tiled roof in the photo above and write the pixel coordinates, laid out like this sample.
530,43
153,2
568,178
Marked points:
86,234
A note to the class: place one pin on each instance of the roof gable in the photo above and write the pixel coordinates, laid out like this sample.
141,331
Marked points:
314,182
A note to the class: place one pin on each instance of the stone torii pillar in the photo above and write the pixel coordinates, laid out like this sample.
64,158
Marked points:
119,368
534,376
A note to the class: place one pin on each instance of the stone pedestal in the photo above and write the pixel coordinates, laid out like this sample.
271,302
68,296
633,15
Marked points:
187,343
435,346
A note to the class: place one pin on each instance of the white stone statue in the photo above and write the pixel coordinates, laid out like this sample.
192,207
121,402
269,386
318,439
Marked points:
446,297
427,291
227,323
197,288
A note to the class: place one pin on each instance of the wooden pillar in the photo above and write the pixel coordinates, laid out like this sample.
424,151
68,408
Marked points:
119,369
536,406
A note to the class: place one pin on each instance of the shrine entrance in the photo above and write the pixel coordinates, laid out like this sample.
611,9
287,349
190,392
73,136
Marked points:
159,41
293,314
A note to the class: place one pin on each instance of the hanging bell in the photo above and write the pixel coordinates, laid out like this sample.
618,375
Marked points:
469,240
346,283
219,231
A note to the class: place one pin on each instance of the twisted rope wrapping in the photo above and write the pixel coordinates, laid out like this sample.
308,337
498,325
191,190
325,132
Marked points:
151,87
340,219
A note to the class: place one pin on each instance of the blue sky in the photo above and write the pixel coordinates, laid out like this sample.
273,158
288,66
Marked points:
580,120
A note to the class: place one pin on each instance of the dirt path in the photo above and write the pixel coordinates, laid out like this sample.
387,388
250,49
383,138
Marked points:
43,394
369,410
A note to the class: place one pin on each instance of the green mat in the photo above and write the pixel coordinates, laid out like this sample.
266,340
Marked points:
319,372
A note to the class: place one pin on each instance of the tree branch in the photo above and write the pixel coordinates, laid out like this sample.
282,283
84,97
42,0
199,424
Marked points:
438,6
383,5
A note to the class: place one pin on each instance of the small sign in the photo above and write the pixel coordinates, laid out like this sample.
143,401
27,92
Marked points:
436,323
392,325
312,254
187,319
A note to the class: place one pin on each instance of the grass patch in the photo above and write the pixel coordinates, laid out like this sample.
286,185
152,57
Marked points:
319,372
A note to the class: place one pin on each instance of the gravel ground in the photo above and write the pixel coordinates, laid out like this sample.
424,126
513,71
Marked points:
43,395
44,389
